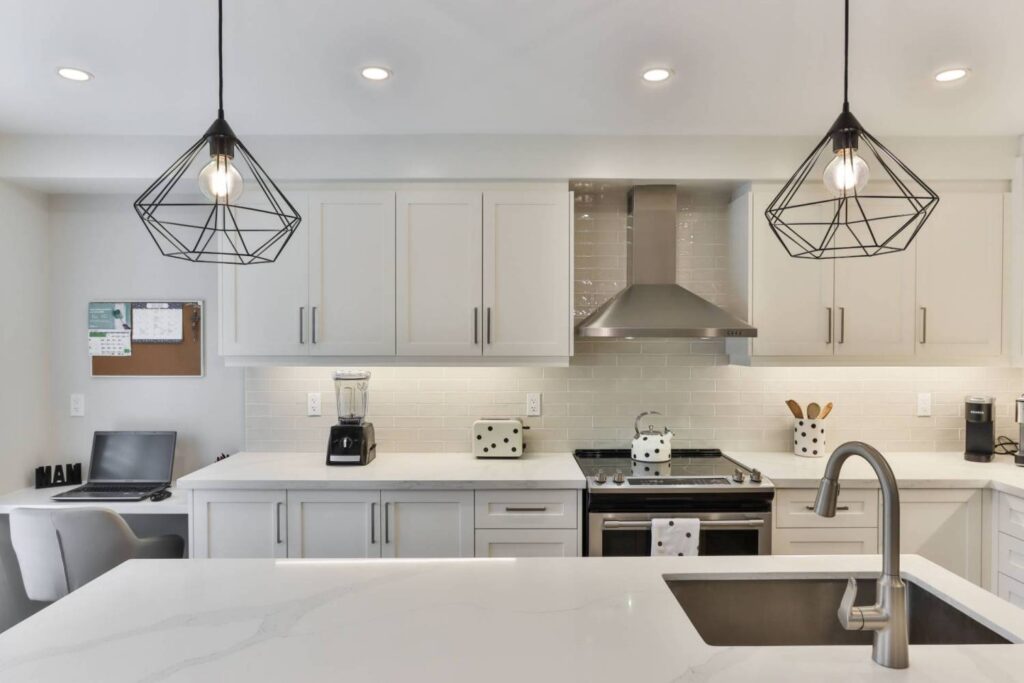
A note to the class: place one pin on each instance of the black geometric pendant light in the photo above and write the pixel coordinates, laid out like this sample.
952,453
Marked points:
245,218
846,216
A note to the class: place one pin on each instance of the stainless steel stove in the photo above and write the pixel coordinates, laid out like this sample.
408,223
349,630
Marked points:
732,501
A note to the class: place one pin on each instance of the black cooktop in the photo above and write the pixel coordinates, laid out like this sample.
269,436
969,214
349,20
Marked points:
686,462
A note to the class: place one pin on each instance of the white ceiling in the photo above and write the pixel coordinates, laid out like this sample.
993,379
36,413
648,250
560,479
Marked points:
512,66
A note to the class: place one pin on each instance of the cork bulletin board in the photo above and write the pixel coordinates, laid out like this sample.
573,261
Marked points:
149,338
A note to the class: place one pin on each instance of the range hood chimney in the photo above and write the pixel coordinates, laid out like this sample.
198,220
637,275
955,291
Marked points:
652,304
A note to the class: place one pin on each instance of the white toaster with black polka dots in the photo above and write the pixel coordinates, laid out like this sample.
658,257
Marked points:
651,445
498,437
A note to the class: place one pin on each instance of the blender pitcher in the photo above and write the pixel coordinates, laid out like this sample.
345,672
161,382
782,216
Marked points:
351,390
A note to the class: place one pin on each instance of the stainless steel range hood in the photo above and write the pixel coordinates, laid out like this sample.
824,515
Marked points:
652,304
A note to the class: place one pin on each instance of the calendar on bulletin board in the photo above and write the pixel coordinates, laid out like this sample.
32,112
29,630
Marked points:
149,338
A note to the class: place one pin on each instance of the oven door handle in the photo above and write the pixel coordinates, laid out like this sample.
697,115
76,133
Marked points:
711,524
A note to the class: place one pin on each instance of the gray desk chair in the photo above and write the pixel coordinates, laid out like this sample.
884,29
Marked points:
62,550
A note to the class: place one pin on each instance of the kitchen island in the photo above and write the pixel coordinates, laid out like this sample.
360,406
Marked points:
573,619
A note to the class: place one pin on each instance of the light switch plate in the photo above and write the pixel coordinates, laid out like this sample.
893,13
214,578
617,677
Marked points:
313,405
924,404
77,405
533,407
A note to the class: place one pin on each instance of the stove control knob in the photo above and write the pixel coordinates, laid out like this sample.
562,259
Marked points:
755,476
738,476
601,477
619,478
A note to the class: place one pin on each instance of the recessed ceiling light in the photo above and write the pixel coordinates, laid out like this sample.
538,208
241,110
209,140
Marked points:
73,74
952,75
657,75
376,73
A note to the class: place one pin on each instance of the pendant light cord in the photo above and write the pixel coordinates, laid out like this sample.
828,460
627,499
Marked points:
846,58
220,58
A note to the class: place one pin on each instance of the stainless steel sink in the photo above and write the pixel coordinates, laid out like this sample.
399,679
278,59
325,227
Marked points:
803,612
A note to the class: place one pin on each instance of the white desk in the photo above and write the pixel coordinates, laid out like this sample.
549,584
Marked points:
177,504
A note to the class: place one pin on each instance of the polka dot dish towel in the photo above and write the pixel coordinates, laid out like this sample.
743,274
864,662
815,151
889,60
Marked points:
809,438
675,537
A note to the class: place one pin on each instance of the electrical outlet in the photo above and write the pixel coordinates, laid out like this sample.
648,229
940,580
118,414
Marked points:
532,405
924,405
77,405
313,406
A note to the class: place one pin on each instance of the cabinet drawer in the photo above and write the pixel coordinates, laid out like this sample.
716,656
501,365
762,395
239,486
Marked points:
526,509
1011,557
1011,515
839,541
1011,590
526,543
856,508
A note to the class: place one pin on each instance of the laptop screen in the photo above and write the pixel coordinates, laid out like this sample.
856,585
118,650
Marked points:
132,456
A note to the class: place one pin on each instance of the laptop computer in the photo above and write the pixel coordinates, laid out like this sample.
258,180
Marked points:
126,466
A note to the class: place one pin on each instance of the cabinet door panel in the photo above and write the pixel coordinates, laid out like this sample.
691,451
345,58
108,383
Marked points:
352,273
334,524
944,526
875,305
260,304
959,277
527,270
526,543
239,524
439,273
839,541
427,523
792,298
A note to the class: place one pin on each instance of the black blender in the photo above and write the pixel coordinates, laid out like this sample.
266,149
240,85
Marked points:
351,441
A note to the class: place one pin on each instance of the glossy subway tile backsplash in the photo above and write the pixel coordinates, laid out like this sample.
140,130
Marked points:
592,402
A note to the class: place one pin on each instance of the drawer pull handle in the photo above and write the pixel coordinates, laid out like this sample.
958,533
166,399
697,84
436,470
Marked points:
538,509
840,508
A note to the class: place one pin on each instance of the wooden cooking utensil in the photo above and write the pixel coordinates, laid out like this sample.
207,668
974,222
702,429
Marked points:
813,410
825,411
795,408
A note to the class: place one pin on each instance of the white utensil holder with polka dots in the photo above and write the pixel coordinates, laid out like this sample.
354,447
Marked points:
809,438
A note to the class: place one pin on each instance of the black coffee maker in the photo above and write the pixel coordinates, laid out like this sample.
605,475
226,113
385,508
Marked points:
352,440
980,438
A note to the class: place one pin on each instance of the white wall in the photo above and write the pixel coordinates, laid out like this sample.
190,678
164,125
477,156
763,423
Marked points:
24,330
102,252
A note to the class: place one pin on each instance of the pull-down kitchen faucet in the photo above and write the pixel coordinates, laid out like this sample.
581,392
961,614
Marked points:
888,616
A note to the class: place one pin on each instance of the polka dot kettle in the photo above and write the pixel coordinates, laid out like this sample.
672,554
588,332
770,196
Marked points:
651,445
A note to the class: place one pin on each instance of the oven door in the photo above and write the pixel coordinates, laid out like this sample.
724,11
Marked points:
628,534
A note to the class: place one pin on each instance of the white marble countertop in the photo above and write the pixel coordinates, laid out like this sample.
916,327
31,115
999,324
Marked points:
912,470
177,504
515,620
389,470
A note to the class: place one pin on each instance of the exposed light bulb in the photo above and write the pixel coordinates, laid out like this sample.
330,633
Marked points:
847,172
220,181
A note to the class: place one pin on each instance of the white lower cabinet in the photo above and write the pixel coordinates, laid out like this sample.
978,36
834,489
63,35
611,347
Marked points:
1011,590
825,541
239,524
526,543
427,523
334,524
944,526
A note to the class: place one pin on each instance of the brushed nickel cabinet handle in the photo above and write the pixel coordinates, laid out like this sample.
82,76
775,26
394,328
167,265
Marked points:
476,325
278,521
924,325
828,329
842,324
313,324
302,324
387,523
536,509
488,324
839,508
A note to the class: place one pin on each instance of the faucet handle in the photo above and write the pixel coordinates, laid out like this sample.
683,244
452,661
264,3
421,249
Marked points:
851,618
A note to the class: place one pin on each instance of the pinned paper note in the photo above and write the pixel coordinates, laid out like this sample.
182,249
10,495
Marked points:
110,329
157,322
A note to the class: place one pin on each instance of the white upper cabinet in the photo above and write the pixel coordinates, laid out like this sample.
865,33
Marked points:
264,308
527,273
439,273
874,305
792,299
352,273
959,277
